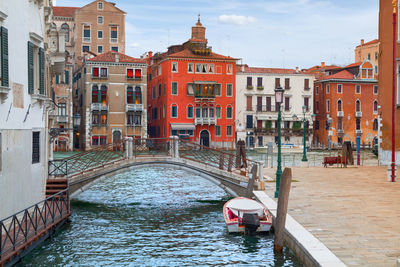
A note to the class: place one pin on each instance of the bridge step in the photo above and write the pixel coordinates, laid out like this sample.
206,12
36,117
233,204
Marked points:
56,181
61,186
53,186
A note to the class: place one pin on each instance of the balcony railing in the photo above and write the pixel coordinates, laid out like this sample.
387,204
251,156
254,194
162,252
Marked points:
134,78
340,114
134,107
99,107
358,131
62,118
205,121
358,114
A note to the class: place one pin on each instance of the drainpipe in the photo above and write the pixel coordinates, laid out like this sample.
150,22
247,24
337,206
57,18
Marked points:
394,95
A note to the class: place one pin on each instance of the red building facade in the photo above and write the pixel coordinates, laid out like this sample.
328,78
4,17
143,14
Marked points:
191,93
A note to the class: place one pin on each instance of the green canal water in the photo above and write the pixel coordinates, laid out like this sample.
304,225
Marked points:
153,217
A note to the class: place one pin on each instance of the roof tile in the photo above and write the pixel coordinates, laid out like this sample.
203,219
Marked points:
64,11
110,57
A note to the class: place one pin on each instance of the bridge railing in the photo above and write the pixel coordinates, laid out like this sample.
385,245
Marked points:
223,160
151,147
26,226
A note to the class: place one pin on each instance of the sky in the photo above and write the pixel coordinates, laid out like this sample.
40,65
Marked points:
262,33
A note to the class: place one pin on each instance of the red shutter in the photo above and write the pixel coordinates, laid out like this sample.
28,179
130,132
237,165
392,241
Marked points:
129,73
95,72
138,73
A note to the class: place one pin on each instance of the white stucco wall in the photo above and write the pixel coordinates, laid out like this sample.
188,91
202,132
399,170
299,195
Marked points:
296,94
21,182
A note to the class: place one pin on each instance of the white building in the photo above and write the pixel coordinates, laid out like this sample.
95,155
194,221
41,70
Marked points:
256,111
24,106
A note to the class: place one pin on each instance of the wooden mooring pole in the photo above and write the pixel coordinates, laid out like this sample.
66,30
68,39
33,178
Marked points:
283,199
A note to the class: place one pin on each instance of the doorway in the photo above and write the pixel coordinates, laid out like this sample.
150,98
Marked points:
205,138
117,140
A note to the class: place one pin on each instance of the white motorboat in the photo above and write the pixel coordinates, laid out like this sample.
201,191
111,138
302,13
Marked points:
246,215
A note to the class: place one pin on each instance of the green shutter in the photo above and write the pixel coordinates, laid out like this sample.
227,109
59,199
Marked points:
66,77
41,71
57,79
4,57
30,67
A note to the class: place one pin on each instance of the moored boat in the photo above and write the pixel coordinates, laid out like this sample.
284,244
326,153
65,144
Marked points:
246,215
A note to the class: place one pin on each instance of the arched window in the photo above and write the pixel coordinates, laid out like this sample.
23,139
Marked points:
375,106
138,95
129,95
104,95
53,26
358,105
95,94
339,105
375,125
65,27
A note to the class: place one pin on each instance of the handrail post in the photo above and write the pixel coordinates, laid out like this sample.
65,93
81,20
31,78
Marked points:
260,171
171,146
176,147
129,147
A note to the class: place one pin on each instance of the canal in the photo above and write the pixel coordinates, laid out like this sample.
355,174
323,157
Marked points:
153,217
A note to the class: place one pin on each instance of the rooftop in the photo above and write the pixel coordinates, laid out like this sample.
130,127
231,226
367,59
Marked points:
111,55
248,69
64,11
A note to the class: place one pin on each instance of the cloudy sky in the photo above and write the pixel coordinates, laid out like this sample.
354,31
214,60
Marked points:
263,33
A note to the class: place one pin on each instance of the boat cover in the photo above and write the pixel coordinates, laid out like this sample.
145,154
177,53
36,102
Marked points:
245,205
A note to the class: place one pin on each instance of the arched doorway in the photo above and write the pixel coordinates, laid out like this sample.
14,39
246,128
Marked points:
116,140
205,138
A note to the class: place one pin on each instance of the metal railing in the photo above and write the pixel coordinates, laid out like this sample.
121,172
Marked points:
151,147
26,226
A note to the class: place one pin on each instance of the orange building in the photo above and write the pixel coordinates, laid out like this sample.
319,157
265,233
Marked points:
386,82
368,51
191,93
346,105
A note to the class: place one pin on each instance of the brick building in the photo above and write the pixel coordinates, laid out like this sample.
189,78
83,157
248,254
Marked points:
191,92
368,50
346,105
110,94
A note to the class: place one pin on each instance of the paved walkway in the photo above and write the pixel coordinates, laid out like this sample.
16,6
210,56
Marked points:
354,211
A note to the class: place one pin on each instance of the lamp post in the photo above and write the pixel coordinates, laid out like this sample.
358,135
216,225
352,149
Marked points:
278,100
304,159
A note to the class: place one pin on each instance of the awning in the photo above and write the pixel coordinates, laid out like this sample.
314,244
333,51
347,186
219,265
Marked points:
182,126
204,82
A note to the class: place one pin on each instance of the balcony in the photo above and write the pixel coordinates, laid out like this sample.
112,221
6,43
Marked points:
340,114
86,39
134,107
113,40
134,78
249,87
358,132
358,114
62,118
99,107
340,131
203,121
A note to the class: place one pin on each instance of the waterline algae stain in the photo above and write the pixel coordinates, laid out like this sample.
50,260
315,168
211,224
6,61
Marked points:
153,217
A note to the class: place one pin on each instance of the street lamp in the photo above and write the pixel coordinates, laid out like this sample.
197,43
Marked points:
278,100
304,159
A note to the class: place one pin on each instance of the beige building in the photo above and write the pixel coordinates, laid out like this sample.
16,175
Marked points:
370,51
111,98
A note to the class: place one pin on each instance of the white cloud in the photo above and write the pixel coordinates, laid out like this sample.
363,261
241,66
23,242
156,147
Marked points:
235,19
135,44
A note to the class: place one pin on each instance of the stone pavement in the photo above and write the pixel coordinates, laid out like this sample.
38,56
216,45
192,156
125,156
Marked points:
354,211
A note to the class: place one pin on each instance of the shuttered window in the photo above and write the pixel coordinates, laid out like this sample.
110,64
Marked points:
41,71
35,147
30,67
4,57
66,77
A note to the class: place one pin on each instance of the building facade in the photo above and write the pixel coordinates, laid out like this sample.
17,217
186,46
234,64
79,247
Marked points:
191,93
368,51
346,105
24,105
386,83
257,111
110,94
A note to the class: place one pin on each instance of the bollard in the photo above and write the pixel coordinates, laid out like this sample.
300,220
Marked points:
252,178
171,151
279,224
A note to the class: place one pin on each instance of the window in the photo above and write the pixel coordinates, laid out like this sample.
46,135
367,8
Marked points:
229,130
198,113
198,68
62,109
99,72
35,147
358,124
86,33
218,112
339,105
287,83
269,106
340,124
375,125
138,95
85,48
100,5
129,95
211,68
190,112
114,34
217,130
375,89
228,89
277,82
328,88
316,107
114,48
287,103
95,94
174,66
358,89
328,105
306,103
229,69
316,125
316,90
153,95
159,89
249,82
4,57
100,34
204,68
99,49
259,82
369,56
99,20
174,111
190,90
249,121
375,107
217,89
174,132
65,28
165,89
358,105
249,103
103,95
306,84
35,69
133,118
339,89
174,88
190,67
229,112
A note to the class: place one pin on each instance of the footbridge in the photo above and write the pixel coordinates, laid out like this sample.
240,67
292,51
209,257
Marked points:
238,176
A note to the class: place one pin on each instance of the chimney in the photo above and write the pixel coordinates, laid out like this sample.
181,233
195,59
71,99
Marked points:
116,57
362,41
242,68
322,64
297,69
